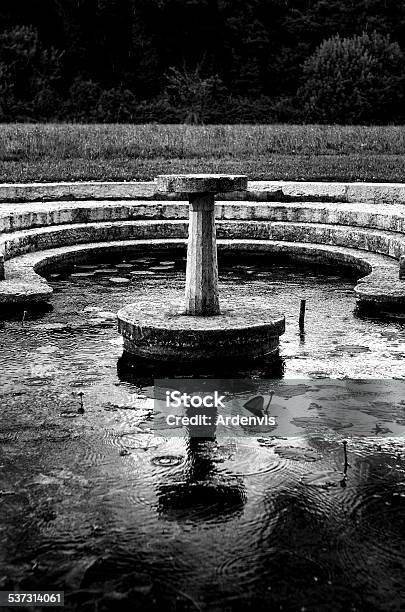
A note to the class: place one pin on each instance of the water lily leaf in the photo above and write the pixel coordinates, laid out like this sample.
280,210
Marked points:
297,454
320,421
255,405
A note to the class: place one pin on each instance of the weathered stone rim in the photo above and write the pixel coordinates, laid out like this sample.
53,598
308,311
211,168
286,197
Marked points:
323,227
159,332
383,242
172,317
25,285
381,285
374,193
41,215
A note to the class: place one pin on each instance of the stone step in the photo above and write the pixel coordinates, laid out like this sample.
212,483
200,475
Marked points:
387,243
26,216
257,191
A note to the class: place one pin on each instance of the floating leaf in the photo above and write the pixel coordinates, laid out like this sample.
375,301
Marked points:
53,326
119,281
320,421
69,414
255,405
265,442
297,454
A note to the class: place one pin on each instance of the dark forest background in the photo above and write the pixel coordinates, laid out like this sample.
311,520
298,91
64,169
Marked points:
202,61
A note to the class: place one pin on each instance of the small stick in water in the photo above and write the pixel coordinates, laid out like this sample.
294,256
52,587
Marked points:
81,409
302,316
346,465
23,318
269,402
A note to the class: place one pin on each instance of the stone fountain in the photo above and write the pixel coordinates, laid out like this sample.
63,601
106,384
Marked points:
200,327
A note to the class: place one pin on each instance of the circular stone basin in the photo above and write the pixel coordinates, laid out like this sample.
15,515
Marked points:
159,332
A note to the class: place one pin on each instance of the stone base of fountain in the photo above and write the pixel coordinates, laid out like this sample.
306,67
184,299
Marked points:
198,329
160,333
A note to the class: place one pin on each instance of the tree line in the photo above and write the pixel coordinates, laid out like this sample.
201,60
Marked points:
202,61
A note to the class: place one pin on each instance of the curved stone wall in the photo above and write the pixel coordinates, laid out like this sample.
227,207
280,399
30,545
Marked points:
374,193
391,244
368,235
26,216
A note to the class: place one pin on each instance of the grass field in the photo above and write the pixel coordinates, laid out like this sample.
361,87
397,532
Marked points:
140,152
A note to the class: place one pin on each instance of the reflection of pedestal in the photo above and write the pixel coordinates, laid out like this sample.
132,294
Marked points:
202,490
143,372
198,330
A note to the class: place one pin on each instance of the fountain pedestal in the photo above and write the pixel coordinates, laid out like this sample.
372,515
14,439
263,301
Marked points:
199,328
202,263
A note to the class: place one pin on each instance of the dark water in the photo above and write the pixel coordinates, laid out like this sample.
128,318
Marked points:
97,505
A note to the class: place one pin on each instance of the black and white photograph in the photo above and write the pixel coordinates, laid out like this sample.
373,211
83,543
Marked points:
202,305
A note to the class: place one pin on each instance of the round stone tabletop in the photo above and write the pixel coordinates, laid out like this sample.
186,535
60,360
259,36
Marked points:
200,183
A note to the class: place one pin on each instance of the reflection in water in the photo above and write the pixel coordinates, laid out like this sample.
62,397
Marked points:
203,492
142,373
151,529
